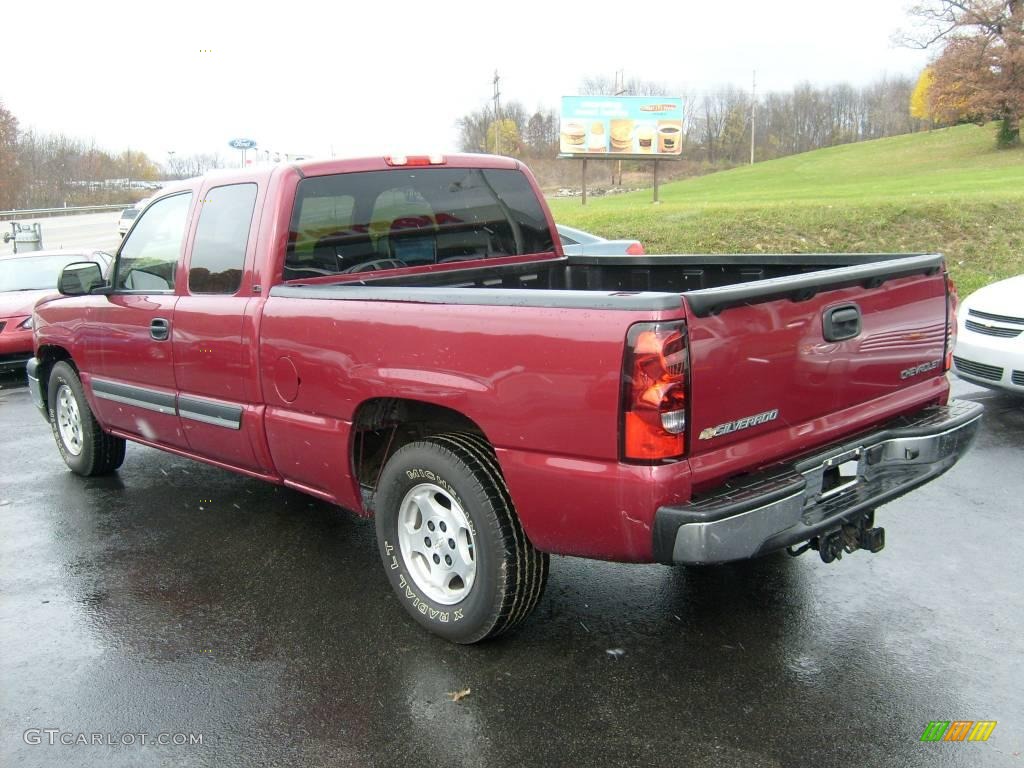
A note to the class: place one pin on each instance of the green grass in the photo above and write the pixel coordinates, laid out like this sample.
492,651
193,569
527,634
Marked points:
948,190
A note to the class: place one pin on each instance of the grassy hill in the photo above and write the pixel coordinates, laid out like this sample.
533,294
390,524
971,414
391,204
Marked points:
948,190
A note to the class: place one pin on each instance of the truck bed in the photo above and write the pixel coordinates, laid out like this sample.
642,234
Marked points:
711,282
755,334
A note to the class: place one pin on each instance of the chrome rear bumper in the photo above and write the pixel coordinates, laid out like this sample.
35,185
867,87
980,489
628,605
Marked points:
794,503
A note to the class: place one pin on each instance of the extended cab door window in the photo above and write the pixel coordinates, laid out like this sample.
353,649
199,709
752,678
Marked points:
218,251
148,259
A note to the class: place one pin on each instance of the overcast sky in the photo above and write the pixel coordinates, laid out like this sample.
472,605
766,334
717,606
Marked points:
393,76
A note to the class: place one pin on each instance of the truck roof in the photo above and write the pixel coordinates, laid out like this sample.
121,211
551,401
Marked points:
339,165
381,163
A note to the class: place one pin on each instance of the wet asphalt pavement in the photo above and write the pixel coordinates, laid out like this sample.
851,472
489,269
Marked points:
175,598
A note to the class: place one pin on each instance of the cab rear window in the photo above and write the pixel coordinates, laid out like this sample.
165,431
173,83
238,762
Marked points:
364,222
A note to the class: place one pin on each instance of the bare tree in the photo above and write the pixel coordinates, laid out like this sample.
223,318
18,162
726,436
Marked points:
541,133
188,166
601,85
714,112
473,130
10,172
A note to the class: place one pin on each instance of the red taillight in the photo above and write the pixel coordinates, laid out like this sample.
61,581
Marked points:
952,301
635,250
414,160
654,392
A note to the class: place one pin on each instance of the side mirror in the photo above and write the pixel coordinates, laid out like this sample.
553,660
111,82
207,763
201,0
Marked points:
79,278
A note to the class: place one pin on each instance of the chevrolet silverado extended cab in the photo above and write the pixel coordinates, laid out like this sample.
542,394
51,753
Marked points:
404,337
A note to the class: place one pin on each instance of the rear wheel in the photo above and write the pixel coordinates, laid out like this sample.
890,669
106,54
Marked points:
85,448
451,542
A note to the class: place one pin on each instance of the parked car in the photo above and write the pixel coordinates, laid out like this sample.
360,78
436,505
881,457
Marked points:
491,401
24,279
576,242
128,216
990,336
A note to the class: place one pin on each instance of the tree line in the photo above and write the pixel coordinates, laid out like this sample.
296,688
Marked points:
719,122
39,170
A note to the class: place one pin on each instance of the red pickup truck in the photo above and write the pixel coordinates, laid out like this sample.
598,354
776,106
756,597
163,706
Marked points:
404,337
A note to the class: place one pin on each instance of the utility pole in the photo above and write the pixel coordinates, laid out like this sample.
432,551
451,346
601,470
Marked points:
497,114
753,115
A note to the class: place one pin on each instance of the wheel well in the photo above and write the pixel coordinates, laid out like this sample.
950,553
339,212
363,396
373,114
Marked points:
383,425
49,355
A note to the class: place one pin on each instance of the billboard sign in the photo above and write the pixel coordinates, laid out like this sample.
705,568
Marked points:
648,127
242,144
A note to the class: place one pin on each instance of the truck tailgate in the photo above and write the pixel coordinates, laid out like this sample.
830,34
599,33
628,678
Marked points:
776,364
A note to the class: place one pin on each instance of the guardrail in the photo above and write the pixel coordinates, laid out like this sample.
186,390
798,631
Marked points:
38,213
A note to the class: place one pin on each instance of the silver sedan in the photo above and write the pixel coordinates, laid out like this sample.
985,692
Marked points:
576,242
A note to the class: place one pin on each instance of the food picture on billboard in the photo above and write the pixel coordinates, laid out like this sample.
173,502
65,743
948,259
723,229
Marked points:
670,133
622,135
573,136
622,126
645,138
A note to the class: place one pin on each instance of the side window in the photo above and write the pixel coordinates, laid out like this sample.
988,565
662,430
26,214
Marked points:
148,259
218,252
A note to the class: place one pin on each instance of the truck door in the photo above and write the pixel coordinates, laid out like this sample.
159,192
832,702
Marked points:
132,380
215,346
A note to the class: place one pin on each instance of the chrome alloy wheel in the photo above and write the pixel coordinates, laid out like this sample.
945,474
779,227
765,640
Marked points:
436,542
69,420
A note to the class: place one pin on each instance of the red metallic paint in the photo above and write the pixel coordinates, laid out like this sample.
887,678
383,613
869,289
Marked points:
130,356
743,362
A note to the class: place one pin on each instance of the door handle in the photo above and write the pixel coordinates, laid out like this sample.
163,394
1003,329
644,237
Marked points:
841,323
159,329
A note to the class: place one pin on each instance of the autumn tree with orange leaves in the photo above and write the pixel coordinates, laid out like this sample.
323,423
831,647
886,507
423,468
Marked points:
979,73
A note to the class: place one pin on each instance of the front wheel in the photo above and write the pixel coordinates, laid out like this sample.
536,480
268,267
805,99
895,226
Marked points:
452,545
84,446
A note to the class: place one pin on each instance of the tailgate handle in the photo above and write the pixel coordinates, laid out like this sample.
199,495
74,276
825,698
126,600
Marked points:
841,323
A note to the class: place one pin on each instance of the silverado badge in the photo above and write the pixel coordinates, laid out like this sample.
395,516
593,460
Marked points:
744,423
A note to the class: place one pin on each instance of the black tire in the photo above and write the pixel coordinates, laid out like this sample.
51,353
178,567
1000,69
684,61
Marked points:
97,452
510,574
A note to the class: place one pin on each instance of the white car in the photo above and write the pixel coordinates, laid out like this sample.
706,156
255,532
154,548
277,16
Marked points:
128,216
990,336
576,242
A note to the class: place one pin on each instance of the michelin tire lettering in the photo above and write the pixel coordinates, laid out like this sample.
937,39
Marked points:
417,602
